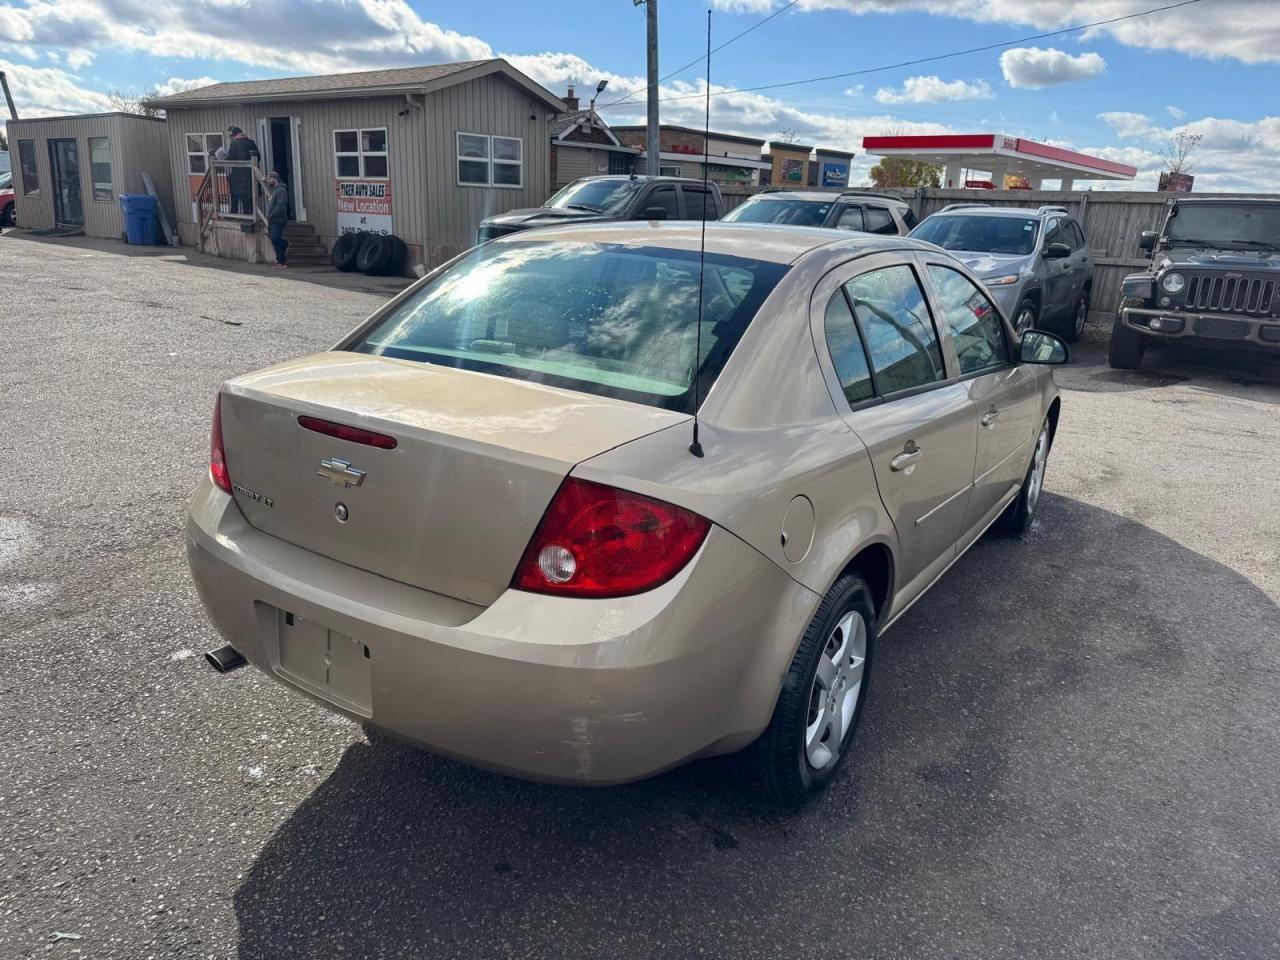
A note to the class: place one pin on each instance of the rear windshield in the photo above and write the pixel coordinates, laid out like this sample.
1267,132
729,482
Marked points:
607,319
980,234
798,213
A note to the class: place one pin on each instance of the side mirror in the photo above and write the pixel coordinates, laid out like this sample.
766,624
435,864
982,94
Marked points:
654,213
1041,347
1148,240
1056,251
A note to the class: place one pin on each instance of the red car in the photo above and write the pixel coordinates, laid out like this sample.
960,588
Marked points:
8,211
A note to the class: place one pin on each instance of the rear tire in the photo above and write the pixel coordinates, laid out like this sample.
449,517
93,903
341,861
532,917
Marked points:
798,755
7,218
1127,346
1017,517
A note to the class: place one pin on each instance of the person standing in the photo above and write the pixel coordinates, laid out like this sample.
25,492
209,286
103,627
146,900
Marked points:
277,216
240,179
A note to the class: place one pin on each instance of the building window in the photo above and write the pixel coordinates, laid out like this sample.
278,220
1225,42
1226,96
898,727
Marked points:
621,163
27,165
361,154
200,147
490,161
100,167
670,171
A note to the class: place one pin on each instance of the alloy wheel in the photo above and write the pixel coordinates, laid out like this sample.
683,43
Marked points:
1036,481
1026,319
1082,314
833,700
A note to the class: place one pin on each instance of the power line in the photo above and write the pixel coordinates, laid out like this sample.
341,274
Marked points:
932,59
755,26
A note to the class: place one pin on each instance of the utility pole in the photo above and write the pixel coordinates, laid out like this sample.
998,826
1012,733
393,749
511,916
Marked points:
652,148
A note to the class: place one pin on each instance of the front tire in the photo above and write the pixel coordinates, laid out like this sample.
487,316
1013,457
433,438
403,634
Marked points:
1127,346
8,218
1025,317
1017,517
821,702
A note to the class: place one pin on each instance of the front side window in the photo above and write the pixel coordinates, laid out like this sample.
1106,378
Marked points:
27,164
897,329
848,355
490,161
979,233
360,154
100,167
606,319
879,220
975,326
851,219
664,199
770,209
1053,233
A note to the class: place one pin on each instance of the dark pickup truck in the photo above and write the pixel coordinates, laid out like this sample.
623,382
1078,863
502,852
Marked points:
1214,281
598,199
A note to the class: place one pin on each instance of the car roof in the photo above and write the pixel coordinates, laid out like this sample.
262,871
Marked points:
776,243
642,177
1000,212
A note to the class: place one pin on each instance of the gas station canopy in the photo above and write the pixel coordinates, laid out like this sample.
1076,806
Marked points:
998,156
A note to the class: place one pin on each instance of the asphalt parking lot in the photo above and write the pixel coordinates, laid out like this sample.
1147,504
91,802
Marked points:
1071,749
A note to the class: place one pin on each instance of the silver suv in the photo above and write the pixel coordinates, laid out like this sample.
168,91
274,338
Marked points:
858,211
1035,262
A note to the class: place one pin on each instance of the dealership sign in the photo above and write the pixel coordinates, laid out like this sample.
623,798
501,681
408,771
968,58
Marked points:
835,174
363,205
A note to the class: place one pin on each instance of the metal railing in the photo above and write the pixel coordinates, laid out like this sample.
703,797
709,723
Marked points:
232,191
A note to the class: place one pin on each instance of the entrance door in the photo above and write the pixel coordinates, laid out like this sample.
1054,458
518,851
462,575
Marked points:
278,139
68,201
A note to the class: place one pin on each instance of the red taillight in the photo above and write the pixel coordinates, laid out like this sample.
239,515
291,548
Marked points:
343,432
595,541
217,455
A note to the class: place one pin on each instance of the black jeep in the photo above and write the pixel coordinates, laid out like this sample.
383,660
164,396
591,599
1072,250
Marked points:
1214,281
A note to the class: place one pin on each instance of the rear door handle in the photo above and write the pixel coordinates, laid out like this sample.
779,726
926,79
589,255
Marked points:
990,417
907,458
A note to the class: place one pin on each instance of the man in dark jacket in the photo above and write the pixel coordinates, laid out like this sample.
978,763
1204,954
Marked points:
240,179
277,216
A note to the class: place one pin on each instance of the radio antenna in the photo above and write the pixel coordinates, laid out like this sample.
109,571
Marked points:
696,447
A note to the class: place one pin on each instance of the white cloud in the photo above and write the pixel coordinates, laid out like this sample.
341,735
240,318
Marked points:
179,84
933,89
1176,112
48,91
1245,30
1035,67
1127,124
855,91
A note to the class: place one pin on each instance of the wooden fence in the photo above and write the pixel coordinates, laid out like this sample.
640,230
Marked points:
1112,221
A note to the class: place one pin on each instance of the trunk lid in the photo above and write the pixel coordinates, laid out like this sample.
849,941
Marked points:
452,507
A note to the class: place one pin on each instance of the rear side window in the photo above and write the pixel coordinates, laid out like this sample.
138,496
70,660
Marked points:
607,319
897,329
909,217
695,200
847,353
975,327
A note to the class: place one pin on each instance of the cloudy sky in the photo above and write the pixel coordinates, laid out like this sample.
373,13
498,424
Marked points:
1211,67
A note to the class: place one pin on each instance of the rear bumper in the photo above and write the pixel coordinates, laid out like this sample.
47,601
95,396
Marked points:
1223,331
567,690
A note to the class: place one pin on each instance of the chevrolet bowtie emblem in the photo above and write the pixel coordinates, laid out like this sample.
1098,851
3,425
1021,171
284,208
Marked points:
341,472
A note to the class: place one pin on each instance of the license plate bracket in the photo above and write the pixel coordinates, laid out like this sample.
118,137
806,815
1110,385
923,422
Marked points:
1222,328
327,662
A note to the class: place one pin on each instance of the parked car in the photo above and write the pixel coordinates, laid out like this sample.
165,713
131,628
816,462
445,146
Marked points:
8,215
600,199
1214,281
854,210
488,522
1035,262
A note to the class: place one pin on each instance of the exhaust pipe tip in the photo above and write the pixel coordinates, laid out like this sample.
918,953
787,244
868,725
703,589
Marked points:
225,659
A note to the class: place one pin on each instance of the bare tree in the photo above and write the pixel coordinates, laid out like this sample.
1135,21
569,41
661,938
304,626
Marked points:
122,102
1180,150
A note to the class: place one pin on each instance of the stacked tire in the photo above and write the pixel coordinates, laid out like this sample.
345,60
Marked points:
374,254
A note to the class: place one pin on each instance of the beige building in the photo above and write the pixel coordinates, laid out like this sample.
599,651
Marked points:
424,153
789,164
733,159
69,172
583,145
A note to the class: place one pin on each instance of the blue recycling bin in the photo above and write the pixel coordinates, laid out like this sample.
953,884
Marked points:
141,218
